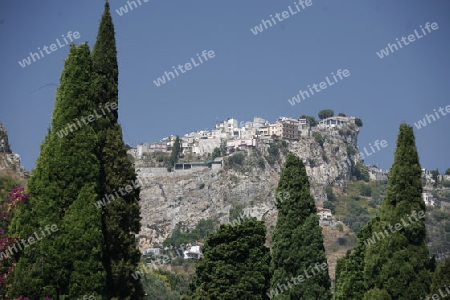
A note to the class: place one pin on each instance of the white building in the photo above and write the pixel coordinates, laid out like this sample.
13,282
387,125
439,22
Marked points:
428,199
324,213
193,252
336,122
153,251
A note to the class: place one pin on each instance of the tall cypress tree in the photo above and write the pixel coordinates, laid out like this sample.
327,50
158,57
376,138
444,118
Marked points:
63,187
235,264
399,264
350,269
298,248
120,217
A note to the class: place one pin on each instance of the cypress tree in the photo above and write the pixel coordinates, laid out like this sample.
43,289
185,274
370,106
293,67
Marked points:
235,264
62,187
121,216
350,269
298,248
398,264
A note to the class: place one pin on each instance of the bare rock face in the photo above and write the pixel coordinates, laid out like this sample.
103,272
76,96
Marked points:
4,144
9,161
185,198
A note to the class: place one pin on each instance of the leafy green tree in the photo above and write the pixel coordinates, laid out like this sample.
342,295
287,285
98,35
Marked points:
176,149
325,113
319,138
441,277
297,238
223,147
235,264
159,284
330,206
341,115
120,217
435,177
361,172
350,269
399,263
63,187
447,172
365,190
330,195
358,122
199,233
216,153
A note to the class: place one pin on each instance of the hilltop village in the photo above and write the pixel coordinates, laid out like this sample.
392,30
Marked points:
233,135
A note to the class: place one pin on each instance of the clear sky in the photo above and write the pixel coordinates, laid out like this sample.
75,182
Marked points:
250,75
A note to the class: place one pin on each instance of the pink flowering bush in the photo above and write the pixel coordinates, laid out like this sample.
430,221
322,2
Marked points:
6,262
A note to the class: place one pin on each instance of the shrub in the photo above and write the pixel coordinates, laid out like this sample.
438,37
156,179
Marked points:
341,240
330,195
235,211
365,190
361,172
325,113
311,162
340,227
358,122
446,183
271,160
273,150
236,159
330,206
261,163
351,150
216,153
318,138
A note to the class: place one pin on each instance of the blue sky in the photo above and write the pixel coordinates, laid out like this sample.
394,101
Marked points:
250,75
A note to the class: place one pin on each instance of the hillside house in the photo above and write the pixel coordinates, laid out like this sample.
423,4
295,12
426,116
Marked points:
428,199
152,251
324,213
336,122
241,144
193,252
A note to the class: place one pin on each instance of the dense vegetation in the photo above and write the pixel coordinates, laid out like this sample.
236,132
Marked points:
396,266
297,239
92,251
199,233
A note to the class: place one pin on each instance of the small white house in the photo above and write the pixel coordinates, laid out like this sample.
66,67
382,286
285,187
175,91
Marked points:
428,199
193,252
324,213
153,251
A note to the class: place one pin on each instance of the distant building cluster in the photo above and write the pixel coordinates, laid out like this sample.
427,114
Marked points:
191,251
239,135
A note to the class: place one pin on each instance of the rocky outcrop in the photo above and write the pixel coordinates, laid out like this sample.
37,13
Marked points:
187,198
9,161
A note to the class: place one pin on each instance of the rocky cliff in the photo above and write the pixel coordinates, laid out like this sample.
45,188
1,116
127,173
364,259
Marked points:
171,198
9,161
